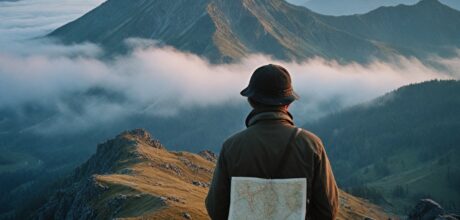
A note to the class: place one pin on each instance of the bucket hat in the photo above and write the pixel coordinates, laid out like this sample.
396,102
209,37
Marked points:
271,85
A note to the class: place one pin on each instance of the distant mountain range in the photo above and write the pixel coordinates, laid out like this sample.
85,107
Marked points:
349,7
134,176
228,30
399,148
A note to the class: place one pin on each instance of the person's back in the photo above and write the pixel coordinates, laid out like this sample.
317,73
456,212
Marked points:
273,148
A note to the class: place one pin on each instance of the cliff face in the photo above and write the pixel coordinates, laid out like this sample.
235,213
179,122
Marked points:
134,176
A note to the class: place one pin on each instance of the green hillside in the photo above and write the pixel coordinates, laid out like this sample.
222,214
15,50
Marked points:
400,147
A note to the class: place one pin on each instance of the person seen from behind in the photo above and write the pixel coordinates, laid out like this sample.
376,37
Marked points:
272,148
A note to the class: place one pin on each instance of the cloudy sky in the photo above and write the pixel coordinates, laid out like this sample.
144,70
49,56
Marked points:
164,81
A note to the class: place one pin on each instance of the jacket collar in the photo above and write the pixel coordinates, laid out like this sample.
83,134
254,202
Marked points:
272,114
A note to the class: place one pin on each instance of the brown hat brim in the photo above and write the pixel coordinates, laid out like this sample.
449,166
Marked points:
282,100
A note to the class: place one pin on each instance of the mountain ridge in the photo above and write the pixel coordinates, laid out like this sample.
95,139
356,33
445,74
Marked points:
134,176
426,31
350,7
226,31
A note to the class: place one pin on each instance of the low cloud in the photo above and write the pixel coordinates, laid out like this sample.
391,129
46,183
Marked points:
163,81
84,91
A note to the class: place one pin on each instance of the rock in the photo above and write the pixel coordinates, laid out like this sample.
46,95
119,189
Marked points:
208,155
145,136
201,184
427,209
139,133
187,215
172,199
193,166
172,167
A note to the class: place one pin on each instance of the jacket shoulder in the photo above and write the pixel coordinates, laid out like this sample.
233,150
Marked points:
312,140
235,138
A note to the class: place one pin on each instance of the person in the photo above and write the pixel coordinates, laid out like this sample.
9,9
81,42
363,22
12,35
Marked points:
253,151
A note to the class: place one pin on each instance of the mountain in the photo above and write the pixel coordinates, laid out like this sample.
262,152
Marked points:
226,31
423,29
399,148
134,176
452,3
349,7
220,30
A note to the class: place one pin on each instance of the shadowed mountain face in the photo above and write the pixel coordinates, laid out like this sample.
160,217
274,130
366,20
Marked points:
225,31
134,176
427,27
349,7
399,148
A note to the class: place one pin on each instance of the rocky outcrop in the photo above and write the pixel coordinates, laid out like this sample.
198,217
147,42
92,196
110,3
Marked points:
427,209
76,199
208,155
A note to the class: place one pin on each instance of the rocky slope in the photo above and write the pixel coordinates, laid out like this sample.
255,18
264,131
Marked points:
227,30
134,176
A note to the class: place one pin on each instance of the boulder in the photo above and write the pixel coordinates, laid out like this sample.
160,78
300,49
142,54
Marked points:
427,209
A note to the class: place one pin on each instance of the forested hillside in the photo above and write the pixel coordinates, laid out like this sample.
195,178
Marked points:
400,147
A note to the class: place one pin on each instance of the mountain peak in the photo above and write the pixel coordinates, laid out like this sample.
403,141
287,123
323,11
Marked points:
133,175
429,3
229,30
117,154
141,135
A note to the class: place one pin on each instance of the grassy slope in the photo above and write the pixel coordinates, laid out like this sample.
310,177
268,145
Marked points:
426,179
152,177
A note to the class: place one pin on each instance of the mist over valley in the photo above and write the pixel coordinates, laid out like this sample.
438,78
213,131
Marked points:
62,93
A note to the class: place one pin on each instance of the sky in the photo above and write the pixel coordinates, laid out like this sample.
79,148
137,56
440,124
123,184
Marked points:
163,82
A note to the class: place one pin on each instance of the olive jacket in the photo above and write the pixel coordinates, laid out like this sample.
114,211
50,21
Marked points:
253,153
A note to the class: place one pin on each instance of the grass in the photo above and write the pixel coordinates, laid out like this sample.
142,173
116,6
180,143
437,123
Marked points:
408,174
168,193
